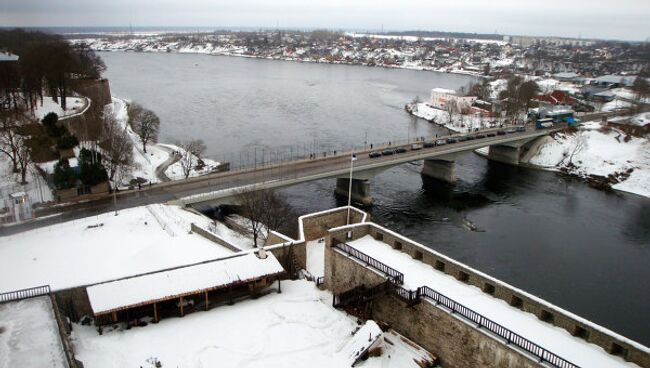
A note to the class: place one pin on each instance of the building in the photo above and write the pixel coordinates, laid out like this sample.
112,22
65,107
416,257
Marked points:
441,98
19,206
555,98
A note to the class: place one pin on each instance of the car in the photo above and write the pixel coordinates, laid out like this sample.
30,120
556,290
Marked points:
501,132
470,137
374,154
462,138
400,150
416,146
387,152
452,140
511,130
441,142
521,128
480,136
491,134
429,144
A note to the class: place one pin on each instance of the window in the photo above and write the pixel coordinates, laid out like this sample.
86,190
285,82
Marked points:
581,332
379,237
398,245
488,288
546,316
617,349
417,255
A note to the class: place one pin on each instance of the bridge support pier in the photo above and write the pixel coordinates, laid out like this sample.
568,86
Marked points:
505,154
360,190
442,170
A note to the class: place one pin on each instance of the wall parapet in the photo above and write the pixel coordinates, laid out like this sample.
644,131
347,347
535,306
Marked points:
608,340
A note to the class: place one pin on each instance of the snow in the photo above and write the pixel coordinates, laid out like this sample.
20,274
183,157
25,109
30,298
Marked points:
36,187
316,257
102,248
460,123
368,336
602,154
74,105
642,119
295,328
158,286
555,339
29,335
615,104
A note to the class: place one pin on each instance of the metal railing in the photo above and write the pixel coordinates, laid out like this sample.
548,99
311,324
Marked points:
24,293
392,274
320,280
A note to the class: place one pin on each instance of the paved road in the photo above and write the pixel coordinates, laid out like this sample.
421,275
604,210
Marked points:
288,173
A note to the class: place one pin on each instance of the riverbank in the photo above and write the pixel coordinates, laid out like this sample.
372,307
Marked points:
457,123
606,157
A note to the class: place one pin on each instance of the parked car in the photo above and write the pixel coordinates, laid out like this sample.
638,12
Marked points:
429,144
511,130
501,132
416,146
400,150
387,152
441,142
491,134
470,137
462,138
452,140
480,136
521,128
374,154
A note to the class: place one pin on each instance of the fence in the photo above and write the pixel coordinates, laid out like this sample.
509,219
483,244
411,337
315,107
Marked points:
394,275
24,293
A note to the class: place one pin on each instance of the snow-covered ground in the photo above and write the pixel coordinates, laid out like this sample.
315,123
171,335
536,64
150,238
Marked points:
29,335
36,186
617,103
460,123
296,328
103,247
555,339
642,119
74,105
602,153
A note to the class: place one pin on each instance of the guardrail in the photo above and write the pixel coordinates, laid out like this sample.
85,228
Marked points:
497,329
24,293
392,274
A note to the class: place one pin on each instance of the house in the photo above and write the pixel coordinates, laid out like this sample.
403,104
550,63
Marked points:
555,98
441,98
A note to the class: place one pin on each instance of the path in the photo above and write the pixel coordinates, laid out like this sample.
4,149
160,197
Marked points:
174,157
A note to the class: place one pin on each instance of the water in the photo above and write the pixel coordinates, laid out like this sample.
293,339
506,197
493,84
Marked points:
585,250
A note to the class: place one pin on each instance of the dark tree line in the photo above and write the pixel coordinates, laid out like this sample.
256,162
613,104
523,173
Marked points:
47,64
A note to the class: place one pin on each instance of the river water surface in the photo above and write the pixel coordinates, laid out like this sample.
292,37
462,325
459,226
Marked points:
585,250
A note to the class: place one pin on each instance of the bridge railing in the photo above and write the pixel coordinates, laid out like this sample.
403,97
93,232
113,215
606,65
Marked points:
24,293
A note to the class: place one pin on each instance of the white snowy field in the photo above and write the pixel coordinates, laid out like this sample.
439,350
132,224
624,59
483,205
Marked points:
459,123
296,328
29,335
102,248
74,105
555,339
596,152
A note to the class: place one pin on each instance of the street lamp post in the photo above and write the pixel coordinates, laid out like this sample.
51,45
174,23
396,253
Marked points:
352,158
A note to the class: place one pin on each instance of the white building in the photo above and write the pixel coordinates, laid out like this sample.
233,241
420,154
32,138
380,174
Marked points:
441,97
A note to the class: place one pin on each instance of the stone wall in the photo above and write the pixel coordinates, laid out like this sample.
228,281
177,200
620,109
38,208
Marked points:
283,253
545,311
317,226
74,303
214,238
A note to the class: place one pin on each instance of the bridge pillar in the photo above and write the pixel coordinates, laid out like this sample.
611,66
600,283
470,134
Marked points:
504,154
360,190
442,170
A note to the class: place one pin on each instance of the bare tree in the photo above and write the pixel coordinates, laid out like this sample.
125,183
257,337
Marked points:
580,144
451,108
117,146
191,153
264,210
145,124
14,144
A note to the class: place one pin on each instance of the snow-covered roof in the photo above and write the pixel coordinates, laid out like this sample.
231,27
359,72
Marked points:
18,195
139,290
444,90
7,56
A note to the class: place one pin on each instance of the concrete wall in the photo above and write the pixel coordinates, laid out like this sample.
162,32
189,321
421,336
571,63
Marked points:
74,303
214,238
545,311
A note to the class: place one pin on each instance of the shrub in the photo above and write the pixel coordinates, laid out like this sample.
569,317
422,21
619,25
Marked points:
51,127
64,177
67,141
92,172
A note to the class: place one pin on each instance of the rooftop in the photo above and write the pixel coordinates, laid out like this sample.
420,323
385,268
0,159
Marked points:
7,56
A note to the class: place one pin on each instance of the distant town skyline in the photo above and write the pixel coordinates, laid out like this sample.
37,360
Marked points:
622,20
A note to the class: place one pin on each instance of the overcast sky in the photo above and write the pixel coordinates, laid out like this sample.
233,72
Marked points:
619,19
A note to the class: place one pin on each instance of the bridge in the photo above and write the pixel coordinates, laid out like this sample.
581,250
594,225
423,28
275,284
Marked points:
215,188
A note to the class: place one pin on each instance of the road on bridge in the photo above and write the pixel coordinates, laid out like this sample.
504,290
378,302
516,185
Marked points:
284,174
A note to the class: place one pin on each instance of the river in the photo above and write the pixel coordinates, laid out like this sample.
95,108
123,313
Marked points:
582,249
